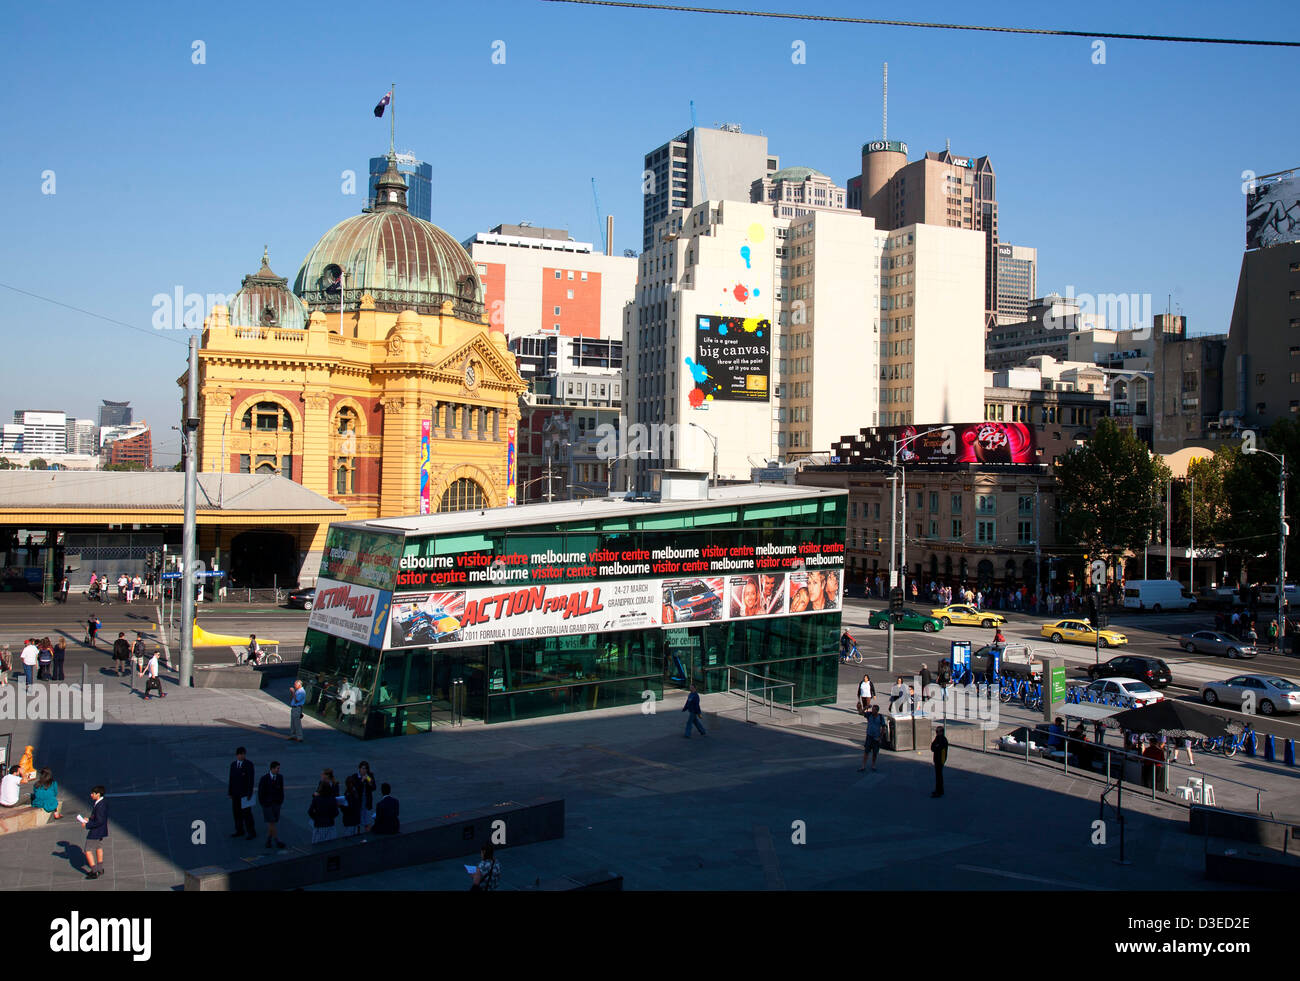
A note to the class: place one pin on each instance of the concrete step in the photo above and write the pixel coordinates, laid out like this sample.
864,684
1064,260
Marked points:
22,819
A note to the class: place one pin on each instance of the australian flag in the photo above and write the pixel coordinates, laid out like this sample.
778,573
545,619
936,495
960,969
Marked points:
383,104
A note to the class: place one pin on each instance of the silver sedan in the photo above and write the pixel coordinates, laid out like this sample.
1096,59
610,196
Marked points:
1213,642
1262,693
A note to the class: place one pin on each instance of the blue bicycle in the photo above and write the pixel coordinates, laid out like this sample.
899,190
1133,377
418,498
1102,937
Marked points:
850,655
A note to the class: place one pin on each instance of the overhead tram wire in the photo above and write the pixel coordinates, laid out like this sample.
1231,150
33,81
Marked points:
160,334
925,24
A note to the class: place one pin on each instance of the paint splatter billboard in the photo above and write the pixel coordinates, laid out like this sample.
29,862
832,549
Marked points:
732,362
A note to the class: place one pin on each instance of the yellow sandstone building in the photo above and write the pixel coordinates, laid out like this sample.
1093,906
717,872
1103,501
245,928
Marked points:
377,381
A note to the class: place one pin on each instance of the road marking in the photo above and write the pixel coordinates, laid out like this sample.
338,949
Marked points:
264,729
636,759
767,857
1027,878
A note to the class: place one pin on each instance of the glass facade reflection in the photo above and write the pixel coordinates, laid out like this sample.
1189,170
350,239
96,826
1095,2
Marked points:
629,636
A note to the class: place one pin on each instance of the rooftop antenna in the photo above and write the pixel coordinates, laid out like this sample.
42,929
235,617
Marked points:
884,103
947,146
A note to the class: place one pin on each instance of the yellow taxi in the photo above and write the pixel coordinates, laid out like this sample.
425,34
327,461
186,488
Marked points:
1081,632
963,614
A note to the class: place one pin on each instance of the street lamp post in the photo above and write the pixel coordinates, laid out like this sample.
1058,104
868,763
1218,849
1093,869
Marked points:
893,521
1281,543
715,451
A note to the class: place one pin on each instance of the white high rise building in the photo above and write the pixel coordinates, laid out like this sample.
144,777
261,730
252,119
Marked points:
43,431
932,326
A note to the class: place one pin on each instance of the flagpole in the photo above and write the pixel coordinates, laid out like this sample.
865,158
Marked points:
392,121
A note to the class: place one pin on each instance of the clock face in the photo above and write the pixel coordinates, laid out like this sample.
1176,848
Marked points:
471,375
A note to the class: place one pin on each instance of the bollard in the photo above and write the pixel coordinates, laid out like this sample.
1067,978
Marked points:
1269,755
1250,743
1288,753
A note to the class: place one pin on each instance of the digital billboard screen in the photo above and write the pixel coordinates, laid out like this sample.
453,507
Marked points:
977,442
733,360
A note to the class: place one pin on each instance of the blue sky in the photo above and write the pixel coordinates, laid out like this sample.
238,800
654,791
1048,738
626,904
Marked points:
1126,175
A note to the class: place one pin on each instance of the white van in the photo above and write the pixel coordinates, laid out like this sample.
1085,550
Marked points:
1157,595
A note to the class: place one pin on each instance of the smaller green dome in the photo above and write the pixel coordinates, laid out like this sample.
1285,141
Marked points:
265,300
797,174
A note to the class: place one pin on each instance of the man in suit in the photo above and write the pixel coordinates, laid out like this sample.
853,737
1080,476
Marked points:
386,822
96,831
939,748
239,789
270,794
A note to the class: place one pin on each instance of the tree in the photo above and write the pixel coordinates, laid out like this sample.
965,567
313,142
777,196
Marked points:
124,466
38,464
1251,486
7,464
1108,491
1208,478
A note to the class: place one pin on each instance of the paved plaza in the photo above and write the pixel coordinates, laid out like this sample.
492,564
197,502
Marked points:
721,812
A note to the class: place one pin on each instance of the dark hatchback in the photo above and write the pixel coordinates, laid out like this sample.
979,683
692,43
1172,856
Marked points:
302,598
1152,670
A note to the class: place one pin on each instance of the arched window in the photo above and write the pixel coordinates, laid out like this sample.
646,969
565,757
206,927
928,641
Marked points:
268,417
463,495
347,419
345,477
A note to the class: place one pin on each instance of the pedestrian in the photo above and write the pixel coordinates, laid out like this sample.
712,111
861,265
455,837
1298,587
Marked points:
121,653
866,694
96,831
487,875
239,788
63,589
44,660
367,781
1272,635
29,656
386,809
323,810
137,586
926,678
297,699
138,652
939,747
692,710
351,806
1252,638
875,732
60,652
270,794
899,703
11,786
1184,743
92,631
45,795
327,776
6,665
149,670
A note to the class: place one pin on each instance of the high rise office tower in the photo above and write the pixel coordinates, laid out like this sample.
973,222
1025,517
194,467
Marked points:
44,431
1017,273
419,183
939,189
114,414
720,164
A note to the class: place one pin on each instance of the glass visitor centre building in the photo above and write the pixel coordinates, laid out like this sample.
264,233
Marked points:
520,612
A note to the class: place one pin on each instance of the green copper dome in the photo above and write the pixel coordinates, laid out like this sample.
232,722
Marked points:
264,300
797,174
402,262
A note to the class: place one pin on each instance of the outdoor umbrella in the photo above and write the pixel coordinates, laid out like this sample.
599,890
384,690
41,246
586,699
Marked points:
1170,718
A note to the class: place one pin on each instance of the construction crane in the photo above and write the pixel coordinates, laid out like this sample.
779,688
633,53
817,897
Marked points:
699,159
600,221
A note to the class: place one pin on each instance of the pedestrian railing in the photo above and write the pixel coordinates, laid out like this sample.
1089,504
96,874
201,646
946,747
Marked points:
1115,759
767,686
